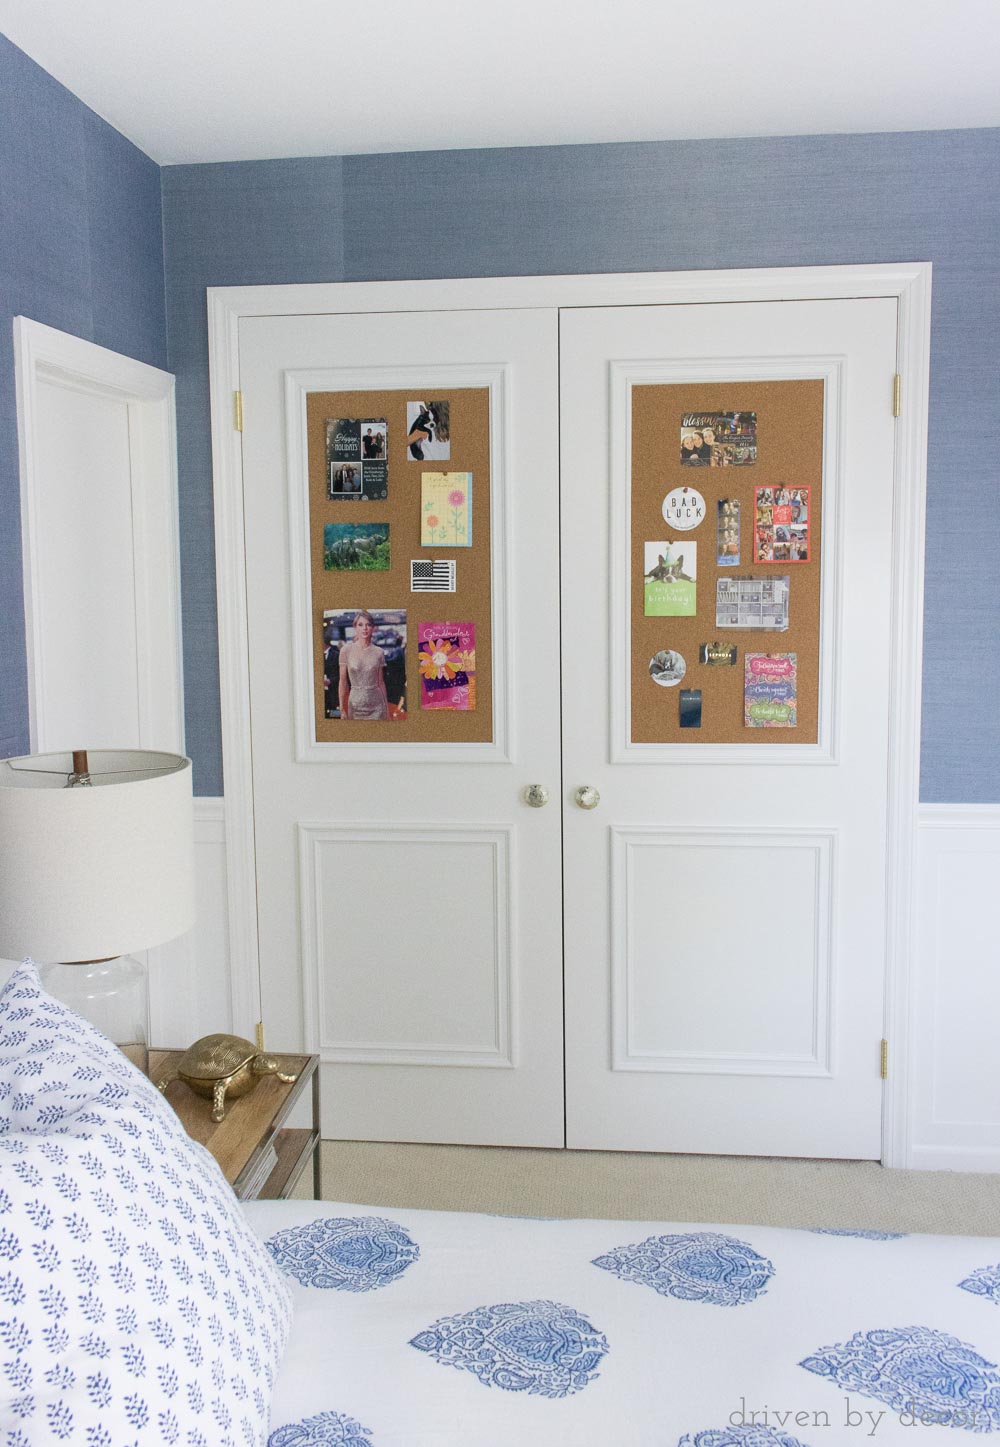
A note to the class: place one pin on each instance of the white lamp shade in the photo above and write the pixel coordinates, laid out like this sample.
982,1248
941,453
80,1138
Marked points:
93,872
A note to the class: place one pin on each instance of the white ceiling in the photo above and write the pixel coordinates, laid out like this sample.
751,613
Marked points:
212,80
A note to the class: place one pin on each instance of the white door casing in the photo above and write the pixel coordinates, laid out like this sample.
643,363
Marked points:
101,552
101,569
739,895
909,285
412,889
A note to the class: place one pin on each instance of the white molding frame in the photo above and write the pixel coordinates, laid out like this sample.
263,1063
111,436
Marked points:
42,355
908,283
498,837
625,375
823,844
309,750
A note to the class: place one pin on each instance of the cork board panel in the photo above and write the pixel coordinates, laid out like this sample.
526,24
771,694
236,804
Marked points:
389,590
789,452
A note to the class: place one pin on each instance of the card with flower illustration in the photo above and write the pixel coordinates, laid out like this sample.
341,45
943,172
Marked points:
446,661
446,509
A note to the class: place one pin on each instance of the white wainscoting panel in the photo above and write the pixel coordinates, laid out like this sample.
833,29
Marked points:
189,978
956,1001
954,1112
678,1003
407,943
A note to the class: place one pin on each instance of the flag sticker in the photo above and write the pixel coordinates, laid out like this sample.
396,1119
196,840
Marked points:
432,575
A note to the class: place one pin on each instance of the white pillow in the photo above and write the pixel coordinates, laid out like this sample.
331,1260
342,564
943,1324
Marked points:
136,1305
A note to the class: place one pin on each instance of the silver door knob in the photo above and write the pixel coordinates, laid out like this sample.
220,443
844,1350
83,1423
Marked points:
587,797
536,795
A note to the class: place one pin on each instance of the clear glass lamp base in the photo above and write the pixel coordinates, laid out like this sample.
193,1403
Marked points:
111,994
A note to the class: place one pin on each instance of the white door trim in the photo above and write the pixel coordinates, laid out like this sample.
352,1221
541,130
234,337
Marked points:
910,284
44,355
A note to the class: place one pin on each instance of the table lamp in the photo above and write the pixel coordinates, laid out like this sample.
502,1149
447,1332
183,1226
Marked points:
96,859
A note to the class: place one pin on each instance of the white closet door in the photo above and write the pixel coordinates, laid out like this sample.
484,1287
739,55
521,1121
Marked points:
409,901
725,918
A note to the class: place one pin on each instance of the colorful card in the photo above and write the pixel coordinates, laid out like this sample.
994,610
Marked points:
357,450
683,509
769,691
727,550
781,524
361,546
670,580
752,603
447,663
718,439
428,431
364,663
446,509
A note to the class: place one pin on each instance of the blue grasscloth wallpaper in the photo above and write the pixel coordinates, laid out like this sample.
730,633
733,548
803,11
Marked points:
925,196
81,249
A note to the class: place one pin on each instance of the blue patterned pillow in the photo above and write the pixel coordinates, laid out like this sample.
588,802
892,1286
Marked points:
136,1305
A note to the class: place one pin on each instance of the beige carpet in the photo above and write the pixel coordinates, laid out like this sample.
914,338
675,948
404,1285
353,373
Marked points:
659,1188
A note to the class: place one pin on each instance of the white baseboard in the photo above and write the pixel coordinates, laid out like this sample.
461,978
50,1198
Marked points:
955,1158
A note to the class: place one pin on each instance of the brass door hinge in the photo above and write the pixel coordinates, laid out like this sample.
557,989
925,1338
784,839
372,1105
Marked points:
238,411
884,1060
259,1029
897,395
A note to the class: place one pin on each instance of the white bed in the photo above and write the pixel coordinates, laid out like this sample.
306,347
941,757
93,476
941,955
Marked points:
139,1307
415,1329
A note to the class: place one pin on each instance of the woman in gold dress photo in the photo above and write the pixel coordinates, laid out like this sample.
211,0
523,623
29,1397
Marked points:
362,693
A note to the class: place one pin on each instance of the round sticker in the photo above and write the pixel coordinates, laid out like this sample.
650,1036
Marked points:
667,668
684,508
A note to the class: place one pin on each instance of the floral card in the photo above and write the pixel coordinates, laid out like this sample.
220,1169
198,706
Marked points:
447,664
446,509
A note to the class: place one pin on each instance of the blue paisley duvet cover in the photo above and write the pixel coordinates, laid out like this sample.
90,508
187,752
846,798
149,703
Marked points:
430,1329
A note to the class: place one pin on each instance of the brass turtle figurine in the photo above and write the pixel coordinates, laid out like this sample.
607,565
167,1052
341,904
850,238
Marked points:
224,1065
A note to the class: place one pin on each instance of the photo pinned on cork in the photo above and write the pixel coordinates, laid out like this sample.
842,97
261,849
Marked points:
667,667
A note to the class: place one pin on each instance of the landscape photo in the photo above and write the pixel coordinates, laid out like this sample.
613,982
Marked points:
356,547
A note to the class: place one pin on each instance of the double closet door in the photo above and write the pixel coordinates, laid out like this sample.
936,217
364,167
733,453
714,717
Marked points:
678,944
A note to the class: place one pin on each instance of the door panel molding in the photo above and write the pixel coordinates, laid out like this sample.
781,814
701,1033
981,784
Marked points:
623,375
498,840
298,384
626,844
908,283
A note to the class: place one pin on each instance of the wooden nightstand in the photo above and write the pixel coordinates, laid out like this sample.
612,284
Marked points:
252,1127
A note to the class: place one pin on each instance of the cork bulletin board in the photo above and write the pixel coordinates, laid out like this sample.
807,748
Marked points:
388,591
789,455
